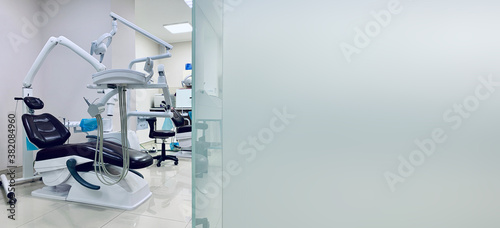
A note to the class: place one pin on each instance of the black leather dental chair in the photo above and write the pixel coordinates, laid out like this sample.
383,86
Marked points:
163,135
58,162
178,121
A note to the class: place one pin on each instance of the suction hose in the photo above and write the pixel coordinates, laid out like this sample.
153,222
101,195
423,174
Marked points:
102,173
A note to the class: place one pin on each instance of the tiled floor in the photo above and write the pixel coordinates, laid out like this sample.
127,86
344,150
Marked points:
169,206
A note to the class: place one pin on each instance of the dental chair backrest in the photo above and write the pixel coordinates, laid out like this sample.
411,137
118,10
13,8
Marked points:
43,130
178,121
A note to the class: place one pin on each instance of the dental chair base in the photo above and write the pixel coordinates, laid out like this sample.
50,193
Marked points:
128,194
184,140
182,134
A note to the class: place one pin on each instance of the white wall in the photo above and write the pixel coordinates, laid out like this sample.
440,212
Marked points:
65,75
19,50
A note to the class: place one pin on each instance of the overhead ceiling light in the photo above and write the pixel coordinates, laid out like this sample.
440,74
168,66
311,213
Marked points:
189,3
179,28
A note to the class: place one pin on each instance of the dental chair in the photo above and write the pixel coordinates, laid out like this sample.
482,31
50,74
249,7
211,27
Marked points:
67,170
182,131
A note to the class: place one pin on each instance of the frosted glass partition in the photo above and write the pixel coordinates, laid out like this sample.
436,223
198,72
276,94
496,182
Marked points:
380,113
207,114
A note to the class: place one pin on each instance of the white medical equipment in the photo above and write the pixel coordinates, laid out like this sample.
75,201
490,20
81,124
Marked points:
183,99
68,170
107,122
98,46
64,181
187,82
161,74
28,91
122,79
10,195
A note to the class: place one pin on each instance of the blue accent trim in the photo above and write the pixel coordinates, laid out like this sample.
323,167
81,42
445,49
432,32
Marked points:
29,145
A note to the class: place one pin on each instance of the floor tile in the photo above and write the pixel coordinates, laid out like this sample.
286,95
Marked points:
169,206
25,189
166,207
189,225
27,209
75,215
138,221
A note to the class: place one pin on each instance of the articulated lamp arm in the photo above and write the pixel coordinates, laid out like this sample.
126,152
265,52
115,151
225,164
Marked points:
51,43
140,30
145,33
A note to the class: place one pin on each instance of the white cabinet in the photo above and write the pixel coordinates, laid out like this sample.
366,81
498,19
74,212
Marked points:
183,98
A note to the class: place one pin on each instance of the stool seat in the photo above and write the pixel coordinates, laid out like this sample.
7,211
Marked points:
161,134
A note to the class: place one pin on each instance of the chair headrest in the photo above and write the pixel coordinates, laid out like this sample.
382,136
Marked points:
33,103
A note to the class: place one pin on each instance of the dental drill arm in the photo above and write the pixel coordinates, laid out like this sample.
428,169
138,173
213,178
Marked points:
162,56
97,108
51,43
110,104
148,67
166,92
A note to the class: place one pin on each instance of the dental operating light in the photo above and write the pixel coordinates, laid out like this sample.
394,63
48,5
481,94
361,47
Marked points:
99,47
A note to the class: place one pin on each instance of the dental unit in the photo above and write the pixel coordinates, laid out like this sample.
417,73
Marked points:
97,172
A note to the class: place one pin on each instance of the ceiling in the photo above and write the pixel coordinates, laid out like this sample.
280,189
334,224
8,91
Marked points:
151,15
